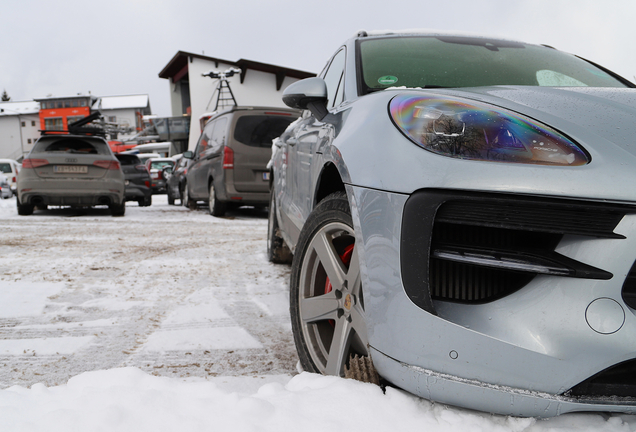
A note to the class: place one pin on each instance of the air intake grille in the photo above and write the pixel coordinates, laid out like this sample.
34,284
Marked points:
460,282
629,288
477,247
616,381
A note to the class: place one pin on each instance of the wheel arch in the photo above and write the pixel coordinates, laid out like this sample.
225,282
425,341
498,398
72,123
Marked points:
329,181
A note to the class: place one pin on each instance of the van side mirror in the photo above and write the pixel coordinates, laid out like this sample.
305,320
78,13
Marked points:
310,93
188,155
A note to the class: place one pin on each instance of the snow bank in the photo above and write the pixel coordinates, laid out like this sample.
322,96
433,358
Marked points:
128,399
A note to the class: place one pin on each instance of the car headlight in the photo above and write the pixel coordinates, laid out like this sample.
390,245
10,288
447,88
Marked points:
472,130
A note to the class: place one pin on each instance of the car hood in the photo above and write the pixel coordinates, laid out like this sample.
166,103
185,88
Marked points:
591,116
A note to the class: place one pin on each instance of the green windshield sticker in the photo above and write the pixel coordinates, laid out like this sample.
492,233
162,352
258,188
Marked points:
387,80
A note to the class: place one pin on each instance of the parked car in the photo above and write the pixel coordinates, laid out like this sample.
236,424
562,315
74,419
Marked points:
137,179
10,168
229,163
176,180
461,216
155,167
5,187
71,170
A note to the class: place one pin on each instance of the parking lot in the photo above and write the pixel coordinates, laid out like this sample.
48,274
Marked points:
171,291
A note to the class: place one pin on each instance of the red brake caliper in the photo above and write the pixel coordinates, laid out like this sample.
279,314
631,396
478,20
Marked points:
345,257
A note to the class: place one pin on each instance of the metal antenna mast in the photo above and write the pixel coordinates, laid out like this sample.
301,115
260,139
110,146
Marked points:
223,90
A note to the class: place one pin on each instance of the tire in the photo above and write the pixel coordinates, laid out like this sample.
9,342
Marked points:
217,207
118,209
277,250
328,320
24,209
145,201
186,201
170,197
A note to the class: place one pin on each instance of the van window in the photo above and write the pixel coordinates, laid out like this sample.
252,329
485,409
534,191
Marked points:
260,130
5,168
218,135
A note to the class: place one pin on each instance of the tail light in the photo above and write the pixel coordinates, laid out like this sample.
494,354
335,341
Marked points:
34,163
228,158
14,179
147,183
107,164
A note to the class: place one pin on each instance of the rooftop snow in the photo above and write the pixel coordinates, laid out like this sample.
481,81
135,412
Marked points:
119,102
15,108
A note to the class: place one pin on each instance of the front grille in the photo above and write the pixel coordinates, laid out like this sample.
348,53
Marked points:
616,381
477,247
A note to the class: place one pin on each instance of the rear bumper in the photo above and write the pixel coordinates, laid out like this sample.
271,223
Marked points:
71,193
135,192
231,195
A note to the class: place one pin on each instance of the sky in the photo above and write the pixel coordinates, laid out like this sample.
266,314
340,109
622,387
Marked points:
119,46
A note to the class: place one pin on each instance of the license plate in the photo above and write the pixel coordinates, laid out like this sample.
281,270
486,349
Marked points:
266,176
71,169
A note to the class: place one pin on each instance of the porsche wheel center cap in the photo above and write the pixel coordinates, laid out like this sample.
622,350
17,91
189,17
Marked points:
347,302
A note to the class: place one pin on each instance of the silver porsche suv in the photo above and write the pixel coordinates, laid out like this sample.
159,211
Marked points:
71,170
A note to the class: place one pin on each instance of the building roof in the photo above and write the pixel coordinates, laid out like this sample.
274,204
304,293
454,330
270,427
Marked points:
17,108
124,101
75,96
177,68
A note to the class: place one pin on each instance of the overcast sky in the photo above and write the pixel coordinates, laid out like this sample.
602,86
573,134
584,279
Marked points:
113,47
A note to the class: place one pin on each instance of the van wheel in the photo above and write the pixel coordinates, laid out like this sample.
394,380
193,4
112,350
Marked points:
217,207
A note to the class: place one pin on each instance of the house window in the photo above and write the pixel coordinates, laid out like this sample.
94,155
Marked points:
72,119
55,123
112,119
29,141
32,122
23,124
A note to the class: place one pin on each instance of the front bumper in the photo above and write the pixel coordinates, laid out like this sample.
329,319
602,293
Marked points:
517,353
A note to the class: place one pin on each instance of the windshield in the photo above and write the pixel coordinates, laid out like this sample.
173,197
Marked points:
430,62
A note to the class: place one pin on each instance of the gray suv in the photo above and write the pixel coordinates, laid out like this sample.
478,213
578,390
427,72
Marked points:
229,163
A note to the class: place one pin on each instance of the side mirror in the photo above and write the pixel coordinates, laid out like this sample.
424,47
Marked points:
188,155
310,93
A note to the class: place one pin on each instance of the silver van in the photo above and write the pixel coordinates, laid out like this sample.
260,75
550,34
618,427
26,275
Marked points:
229,163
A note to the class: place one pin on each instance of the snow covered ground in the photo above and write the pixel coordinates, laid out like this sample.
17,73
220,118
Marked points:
168,319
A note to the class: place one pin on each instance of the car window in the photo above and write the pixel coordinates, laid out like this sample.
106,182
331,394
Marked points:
5,167
160,164
260,130
333,79
128,159
429,61
71,145
218,134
